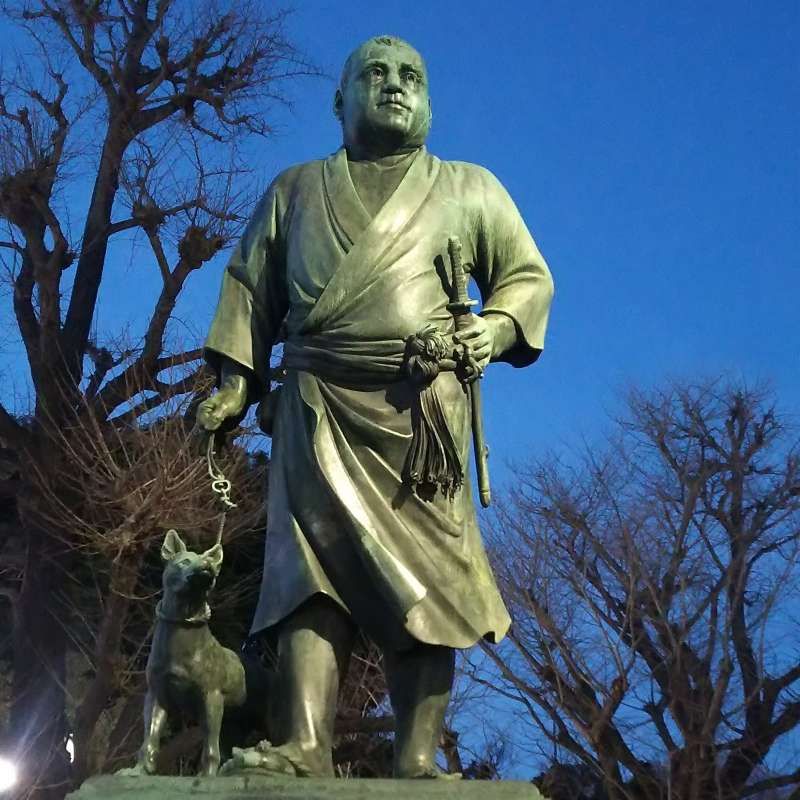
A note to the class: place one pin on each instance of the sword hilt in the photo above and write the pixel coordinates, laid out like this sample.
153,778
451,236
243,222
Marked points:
460,301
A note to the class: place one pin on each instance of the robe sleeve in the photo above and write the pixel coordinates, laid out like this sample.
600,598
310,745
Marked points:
253,300
511,274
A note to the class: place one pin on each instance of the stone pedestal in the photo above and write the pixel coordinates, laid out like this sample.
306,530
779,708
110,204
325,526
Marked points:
112,787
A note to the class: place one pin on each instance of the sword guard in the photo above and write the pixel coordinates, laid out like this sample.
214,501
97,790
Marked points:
460,307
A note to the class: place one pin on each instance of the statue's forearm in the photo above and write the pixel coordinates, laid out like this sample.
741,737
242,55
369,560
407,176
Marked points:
236,378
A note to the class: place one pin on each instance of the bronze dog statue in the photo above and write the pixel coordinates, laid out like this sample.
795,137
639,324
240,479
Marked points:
188,670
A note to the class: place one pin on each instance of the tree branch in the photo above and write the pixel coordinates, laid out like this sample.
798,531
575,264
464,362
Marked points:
163,391
775,685
11,432
84,52
777,782
26,316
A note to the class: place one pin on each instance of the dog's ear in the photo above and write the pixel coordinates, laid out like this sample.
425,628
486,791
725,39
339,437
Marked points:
173,546
214,555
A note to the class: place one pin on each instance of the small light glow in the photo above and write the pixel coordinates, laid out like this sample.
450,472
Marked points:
70,748
8,774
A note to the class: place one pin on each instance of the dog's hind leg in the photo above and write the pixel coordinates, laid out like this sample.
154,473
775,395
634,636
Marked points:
155,718
214,707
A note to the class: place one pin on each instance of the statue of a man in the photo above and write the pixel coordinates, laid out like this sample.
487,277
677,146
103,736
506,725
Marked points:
346,258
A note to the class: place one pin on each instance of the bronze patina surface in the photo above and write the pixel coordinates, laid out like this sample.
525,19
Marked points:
188,670
371,514
253,787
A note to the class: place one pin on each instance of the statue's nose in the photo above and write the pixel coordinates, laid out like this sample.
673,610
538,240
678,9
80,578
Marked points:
393,84
202,577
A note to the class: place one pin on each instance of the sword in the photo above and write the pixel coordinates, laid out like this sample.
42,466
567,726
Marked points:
459,306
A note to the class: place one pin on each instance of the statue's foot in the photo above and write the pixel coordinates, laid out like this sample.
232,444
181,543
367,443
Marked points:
209,770
425,772
264,759
135,771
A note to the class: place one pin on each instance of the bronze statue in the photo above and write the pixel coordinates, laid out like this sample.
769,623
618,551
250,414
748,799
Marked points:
371,520
188,670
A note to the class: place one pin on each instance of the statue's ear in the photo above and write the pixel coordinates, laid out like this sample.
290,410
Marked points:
214,556
173,546
338,104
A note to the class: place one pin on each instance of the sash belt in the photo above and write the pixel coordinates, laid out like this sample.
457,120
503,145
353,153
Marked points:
354,365
432,461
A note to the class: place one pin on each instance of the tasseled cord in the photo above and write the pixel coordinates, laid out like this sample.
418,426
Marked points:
433,460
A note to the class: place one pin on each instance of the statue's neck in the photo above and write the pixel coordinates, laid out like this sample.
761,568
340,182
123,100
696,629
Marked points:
375,180
378,156
169,609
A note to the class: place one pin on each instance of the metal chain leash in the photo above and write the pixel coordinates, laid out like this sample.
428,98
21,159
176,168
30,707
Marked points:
220,486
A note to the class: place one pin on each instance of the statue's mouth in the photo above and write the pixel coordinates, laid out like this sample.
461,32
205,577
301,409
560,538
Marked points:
394,104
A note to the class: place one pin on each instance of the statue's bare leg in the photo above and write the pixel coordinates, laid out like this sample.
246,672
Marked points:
420,680
314,645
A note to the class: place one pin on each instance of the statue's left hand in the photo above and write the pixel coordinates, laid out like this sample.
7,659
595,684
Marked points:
228,402
487,337
477,333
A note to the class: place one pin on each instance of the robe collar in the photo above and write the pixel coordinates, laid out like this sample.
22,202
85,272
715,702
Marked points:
346,208
344,205
364,240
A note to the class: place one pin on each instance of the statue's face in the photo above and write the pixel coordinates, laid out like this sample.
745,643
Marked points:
384,103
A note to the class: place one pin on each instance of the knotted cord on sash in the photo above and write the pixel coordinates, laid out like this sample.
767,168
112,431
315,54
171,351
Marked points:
433,460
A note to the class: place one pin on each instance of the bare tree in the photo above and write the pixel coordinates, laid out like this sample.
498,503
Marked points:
116,490
141,107
653,587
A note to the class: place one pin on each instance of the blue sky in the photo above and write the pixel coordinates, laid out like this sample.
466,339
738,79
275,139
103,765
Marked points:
651,147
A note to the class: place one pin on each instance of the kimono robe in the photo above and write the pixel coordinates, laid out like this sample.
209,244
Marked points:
348,290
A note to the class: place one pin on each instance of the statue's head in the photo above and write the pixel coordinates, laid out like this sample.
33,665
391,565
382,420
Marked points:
382,100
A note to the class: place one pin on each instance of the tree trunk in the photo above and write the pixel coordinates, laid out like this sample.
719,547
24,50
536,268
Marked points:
122,583
693,771
126,735
38,720
89,270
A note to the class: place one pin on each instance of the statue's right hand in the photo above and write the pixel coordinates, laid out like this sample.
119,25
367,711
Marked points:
228,402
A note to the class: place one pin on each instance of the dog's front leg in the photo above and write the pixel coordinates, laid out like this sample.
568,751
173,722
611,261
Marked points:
215,706
155,718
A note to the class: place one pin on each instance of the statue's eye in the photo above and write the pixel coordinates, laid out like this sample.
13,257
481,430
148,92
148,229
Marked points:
376,72
412,77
